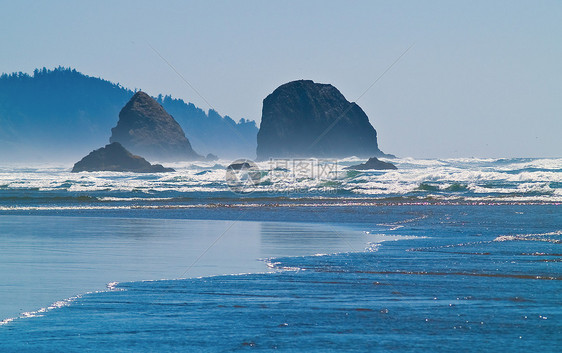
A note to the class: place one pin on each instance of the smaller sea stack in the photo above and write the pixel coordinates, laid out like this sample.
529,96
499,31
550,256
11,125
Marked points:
115,158
373,164
146,129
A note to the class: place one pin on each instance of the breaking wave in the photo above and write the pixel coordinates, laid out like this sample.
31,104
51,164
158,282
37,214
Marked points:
447,180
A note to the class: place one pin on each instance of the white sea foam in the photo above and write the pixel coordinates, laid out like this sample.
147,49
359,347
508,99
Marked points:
448,179
42,311
112,286
116,199
527,236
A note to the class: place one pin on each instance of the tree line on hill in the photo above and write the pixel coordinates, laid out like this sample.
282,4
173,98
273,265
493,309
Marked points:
60,114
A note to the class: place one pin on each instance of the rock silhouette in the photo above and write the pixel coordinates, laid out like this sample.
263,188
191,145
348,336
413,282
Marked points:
145,128
373,164
116,158
308,119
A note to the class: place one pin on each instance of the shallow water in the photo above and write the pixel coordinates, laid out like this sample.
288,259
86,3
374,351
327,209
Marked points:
448,278
47,258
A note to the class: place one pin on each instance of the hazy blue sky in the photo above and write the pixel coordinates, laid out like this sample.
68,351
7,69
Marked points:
483,79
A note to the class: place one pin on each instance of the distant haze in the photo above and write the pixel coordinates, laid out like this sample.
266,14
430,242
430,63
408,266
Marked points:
483,78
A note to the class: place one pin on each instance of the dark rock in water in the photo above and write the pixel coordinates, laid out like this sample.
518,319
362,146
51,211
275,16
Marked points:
145,128
211,157
373,164
240,166
116,158
307,119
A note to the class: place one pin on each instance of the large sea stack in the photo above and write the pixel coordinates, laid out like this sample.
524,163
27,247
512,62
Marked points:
146,129
115,158
308,119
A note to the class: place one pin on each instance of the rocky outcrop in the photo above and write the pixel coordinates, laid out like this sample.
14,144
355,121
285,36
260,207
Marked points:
145,128
211,157
373,164
116,158
308,119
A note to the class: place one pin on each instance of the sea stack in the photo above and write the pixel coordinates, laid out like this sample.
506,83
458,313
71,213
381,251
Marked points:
308,119
115,158
373,164
146,129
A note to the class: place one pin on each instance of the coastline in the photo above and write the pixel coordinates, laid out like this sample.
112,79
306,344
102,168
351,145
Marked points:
84,254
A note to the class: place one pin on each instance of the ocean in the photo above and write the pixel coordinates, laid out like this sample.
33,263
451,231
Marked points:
304,255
